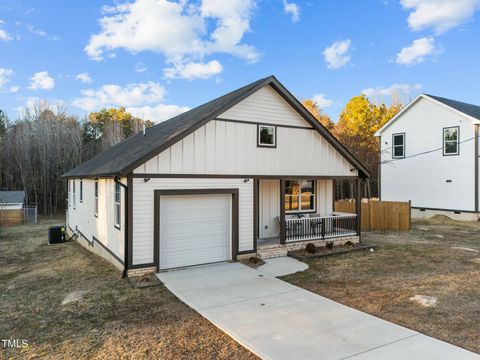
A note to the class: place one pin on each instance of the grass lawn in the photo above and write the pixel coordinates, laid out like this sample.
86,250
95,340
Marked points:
113,321
419,262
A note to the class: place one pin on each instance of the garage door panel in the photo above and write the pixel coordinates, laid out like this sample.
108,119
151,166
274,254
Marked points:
194,229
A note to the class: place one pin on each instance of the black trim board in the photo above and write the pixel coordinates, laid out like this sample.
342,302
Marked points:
96,241
441,209
234,221
248,176
261,123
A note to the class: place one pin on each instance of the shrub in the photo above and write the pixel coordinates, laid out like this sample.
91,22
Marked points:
348,243
253,259
329,244
310,248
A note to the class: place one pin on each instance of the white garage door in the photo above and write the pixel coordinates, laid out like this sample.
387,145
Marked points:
194,229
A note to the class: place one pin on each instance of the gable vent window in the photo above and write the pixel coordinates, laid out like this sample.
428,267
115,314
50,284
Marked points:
267,136
451,145
398,146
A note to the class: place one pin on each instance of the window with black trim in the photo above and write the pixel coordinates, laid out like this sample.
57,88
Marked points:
74,198
451,144
267,136
117,206
81,191
299,196
398,146
95,204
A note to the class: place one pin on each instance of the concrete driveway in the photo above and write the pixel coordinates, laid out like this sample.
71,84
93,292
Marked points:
277,320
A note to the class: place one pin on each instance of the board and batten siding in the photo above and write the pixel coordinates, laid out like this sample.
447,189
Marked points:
82,217
423,179
265,106
227,148
143,211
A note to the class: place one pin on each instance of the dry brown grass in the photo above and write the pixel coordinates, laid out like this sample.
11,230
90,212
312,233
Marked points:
406,264
113,321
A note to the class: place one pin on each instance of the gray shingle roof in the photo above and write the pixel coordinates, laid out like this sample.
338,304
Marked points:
468,109
127,155
12,197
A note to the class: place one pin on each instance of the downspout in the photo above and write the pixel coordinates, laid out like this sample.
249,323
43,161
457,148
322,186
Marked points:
125,228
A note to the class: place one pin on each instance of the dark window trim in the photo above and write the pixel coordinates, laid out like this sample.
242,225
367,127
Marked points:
458,140
95,200
117,226
274,137
81,191
156,228
404,145
74,195
311,211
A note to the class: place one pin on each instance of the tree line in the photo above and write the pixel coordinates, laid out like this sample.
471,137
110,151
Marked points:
46,141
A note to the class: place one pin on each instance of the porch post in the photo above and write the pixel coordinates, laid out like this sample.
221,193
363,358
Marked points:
358,206
283,235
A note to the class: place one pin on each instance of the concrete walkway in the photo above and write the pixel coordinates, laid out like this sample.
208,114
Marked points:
277,320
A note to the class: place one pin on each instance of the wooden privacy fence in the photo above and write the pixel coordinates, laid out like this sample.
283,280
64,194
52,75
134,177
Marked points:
380,215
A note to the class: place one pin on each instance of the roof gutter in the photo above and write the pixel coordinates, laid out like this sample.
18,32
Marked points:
125,228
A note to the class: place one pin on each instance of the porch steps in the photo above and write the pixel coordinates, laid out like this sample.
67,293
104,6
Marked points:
268,252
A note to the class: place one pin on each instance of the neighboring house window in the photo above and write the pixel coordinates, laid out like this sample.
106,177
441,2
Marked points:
451,145
299,196
117,205
81,190
74,200
398,146
267,136
95,206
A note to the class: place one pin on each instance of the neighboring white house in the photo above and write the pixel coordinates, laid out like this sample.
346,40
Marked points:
429,155
248,173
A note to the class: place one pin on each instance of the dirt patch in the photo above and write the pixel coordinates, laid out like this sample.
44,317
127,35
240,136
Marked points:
253,262
113,320
404,265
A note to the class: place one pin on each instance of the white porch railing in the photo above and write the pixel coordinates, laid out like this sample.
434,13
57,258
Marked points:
310,228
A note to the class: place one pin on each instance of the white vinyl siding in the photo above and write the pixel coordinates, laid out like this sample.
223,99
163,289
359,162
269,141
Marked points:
269,208
143,198
83,218
74,197
265,106
429,180
231,148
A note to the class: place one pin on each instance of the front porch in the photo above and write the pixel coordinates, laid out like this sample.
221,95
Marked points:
291,213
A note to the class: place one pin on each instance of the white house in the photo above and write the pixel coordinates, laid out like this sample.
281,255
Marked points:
429,155
248,173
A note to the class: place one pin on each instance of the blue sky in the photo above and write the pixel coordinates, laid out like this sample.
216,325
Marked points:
159,57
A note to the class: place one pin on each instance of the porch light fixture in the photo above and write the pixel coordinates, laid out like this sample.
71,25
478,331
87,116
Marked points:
146,179
246,180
